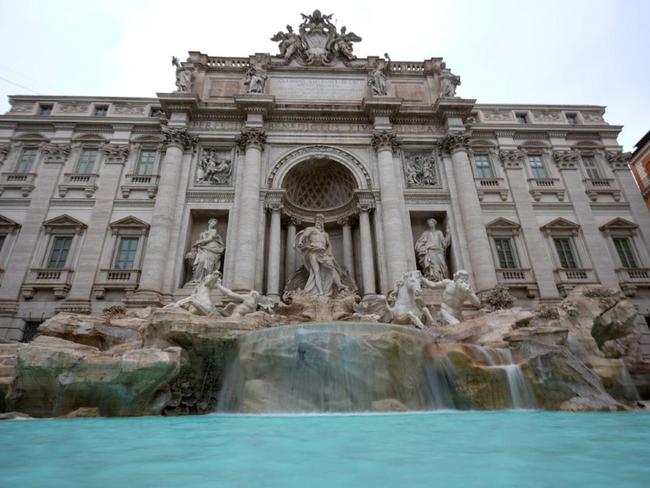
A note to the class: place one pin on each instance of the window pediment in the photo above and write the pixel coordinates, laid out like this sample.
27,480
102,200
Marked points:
129,225
560,226
7,225
619,225
64,223
503,226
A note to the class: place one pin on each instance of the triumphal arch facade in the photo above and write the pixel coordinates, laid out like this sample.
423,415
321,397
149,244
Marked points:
134,201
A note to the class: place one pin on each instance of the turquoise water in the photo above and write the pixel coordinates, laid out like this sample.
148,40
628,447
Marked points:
482,449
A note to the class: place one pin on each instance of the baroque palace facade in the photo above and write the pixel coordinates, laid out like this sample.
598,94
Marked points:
103,200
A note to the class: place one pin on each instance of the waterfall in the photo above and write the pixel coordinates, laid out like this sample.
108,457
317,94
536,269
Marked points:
366,367
629,388
521,393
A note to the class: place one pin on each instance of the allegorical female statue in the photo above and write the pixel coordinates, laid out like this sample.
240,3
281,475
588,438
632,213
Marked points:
314,244
209,251
430,249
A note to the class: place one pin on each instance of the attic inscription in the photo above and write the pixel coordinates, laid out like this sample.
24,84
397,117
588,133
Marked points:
318,88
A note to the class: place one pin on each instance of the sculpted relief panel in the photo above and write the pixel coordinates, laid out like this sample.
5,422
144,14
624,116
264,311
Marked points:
214,167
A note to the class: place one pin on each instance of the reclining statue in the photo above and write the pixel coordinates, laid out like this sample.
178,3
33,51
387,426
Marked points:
199,302
249,303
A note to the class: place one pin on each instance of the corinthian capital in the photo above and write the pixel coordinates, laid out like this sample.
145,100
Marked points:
4,150
454,142
619,160
384,139
511,158
177,136
566,159
116,153
251,136
55,153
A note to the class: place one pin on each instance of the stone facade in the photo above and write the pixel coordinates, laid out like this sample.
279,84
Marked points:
102,198
640,165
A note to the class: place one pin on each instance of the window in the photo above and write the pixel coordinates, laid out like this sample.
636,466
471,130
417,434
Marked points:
101,110
624,249
155,112
522,118
483,166
26,160
146,160
505,253
59,252
3,238
537,168
87,161
591,168
126,251
566,253
572,119
45,109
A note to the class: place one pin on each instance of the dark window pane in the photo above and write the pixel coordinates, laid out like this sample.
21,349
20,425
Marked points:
505,253
126,252
624,250
26,161
87,160
565,252
59,252
591,168
537,168
483,166
146,161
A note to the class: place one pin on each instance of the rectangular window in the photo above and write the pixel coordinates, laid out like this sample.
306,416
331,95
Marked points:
86,164
566,253
45,109
101,110
572,119
155,112
624,250
505,253
522,118
59,252
483,166
3,238
591,168
146,161
537,168
126,251
26,160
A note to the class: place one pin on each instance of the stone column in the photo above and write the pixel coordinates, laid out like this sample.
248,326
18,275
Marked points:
290,251
251,141
540,261
112,163
392,214
157,250
348,253
470,208
566,162
367,254
52,158
273,271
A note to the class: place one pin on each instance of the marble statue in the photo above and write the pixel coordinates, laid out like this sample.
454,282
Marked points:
291,44
314,244
430,249
407,307
199,302
248,302
455,293
318,41
213,171
377,79
209,251
448,84
255,78
341,44
183,76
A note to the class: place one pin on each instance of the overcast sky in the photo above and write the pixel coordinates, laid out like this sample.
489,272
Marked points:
506,51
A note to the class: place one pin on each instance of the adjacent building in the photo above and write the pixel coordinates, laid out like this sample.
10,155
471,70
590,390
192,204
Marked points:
640,165
101,199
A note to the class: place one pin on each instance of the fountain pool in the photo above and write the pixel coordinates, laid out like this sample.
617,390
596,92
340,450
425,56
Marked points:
450,449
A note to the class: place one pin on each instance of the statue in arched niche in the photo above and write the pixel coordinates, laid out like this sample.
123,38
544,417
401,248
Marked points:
208,251
431,248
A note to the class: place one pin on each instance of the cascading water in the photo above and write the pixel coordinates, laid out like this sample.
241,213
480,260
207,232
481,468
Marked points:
521,394
355,367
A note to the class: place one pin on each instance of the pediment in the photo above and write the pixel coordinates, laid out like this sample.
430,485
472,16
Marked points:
90,138
8,225
503,224
619,224
64,222
129,222
560,224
